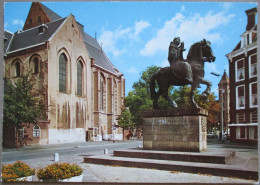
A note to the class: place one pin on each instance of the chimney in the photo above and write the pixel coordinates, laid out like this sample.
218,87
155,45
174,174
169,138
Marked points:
251,15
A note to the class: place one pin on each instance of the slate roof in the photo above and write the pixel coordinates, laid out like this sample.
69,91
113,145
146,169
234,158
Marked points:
31,37
52,15
100,58
7,36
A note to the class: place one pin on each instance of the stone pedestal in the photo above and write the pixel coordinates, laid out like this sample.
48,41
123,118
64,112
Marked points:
175,129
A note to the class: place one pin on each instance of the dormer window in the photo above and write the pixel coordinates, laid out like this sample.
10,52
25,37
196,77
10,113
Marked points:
42,28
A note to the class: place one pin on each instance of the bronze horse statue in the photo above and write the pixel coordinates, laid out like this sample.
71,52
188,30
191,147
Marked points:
176,75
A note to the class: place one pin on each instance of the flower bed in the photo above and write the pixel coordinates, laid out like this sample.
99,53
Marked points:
59,171
16,171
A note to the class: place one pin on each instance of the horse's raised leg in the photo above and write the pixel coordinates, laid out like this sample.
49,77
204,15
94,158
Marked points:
208,84
194,86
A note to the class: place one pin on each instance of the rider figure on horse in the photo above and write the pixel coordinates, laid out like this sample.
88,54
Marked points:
179,66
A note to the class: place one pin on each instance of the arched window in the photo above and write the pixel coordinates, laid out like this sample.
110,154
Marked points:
62,72
17,69
35,65
36,131
101,93
79,78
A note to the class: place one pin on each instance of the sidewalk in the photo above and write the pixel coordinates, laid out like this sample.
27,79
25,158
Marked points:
100,173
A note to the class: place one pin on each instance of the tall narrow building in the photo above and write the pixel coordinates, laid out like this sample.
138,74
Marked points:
243,84
224,97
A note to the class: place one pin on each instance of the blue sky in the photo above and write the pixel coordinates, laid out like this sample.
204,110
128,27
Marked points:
136,35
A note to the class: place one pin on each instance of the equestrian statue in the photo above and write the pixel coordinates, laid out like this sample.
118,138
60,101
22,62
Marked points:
183,72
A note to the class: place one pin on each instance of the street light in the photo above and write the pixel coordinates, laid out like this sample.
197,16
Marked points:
222,91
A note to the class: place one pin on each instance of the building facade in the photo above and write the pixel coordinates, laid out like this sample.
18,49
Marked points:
82,88
243,84
224,99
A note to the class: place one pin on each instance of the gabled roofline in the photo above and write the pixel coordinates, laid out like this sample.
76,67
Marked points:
59,27
7,49
41,25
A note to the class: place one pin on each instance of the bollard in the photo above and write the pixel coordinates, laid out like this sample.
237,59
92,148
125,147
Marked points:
56,157
106,151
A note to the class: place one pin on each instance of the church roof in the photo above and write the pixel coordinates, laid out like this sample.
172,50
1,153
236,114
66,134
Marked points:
100,58
31,37
7,40
51,14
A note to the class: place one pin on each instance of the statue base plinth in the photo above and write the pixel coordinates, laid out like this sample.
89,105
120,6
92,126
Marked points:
175,129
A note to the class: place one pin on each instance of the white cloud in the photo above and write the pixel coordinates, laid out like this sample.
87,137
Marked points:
189,28
140,26
18,22
109,40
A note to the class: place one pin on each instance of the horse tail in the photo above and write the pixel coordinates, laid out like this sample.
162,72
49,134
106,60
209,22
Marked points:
152,86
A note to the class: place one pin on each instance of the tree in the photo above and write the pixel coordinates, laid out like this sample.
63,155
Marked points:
22,103
125,119
139,98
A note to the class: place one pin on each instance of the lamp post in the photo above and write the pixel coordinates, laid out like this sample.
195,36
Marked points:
222,91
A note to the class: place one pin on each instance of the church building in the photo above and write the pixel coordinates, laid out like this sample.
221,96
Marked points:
83,90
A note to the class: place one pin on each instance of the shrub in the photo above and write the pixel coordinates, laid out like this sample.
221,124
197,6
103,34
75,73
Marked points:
10,172
59,171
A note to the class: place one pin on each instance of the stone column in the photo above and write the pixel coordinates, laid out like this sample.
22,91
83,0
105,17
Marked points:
175,129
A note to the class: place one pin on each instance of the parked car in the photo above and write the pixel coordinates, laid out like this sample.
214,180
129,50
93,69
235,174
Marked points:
212,135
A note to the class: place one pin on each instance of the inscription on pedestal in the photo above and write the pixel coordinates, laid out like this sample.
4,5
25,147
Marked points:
175,130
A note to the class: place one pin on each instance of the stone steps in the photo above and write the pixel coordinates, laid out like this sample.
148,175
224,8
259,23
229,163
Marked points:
223,170
218,157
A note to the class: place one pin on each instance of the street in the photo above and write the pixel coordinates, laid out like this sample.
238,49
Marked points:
41,156
68,149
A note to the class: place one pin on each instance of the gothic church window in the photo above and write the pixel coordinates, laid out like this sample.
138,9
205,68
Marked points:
35,65
17,69
62,72
102,93
79,78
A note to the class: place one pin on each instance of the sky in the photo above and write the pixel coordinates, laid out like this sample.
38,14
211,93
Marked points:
136,35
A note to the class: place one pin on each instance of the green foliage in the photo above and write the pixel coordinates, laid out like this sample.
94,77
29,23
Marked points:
22,104
125,119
